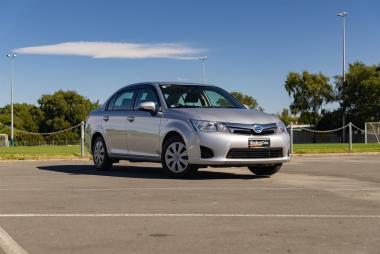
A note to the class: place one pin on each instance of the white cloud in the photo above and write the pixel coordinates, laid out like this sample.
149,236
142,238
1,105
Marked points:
115,50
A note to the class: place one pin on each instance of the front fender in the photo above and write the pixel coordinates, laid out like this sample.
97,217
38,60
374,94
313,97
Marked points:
188,134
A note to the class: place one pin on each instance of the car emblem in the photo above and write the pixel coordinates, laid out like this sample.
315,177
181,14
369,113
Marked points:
257,128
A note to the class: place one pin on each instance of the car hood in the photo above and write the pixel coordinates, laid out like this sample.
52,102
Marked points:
229,115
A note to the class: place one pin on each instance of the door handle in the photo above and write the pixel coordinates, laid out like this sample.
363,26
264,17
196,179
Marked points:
130,118
106,118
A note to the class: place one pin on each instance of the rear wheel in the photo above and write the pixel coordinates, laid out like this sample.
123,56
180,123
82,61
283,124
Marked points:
265,170
175,159
100,155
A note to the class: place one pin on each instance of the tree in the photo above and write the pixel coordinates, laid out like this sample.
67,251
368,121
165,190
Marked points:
27,117
64,109
330,120
56,112
247,100
360,93
287,118
309,93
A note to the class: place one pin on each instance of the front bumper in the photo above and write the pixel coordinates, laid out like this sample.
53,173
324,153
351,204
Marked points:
221,143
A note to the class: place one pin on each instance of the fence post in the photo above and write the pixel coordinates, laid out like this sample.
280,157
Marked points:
82,139
365,133
350,136
291,137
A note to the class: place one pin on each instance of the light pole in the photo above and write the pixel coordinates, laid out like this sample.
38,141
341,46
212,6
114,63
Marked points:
11,58
203,59
343,15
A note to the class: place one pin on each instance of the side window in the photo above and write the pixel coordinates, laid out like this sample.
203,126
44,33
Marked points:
124,100
111,102
146,94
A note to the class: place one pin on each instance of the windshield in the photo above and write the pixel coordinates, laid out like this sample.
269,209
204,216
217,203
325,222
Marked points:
195,96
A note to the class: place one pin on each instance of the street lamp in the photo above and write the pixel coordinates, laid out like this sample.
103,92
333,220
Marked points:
11,58
203,59
343,15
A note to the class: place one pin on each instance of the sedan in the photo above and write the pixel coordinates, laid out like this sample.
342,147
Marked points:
185,127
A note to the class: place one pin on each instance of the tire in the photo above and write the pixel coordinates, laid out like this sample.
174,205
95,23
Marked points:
265,170
100,155
175,159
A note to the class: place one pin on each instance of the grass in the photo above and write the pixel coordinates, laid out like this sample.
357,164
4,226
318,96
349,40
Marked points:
73,152
334,148
40,152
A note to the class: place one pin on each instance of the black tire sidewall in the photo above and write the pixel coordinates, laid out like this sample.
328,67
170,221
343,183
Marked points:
107,163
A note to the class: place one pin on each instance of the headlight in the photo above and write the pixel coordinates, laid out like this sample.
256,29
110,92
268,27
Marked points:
208,126
281,127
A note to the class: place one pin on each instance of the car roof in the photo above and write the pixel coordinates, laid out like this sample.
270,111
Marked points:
168,83
183,83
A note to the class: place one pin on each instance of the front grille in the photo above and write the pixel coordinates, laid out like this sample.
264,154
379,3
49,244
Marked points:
248,129
254,153
251,132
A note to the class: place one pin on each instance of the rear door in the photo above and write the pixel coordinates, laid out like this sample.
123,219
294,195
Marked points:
115,121
143,127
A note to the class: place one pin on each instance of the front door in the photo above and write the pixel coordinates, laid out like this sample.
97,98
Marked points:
143,128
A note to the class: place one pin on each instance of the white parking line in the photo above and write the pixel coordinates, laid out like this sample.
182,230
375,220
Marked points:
363,161
341,216
187,188
9,245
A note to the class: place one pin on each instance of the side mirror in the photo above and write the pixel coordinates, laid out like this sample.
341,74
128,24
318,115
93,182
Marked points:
148,106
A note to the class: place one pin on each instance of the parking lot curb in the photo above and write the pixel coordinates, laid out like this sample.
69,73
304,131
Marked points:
333,154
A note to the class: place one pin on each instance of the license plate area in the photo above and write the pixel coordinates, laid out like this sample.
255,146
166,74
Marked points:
258,143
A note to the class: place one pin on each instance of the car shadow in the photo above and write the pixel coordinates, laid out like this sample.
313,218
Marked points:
143,172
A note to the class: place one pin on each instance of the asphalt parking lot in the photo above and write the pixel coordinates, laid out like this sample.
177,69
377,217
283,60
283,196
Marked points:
327,204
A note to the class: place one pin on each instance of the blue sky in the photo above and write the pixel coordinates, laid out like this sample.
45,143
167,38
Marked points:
251,45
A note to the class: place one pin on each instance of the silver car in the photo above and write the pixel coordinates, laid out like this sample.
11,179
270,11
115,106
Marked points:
185,127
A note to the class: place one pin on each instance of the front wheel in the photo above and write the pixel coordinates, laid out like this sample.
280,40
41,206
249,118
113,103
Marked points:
175,160
265,170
